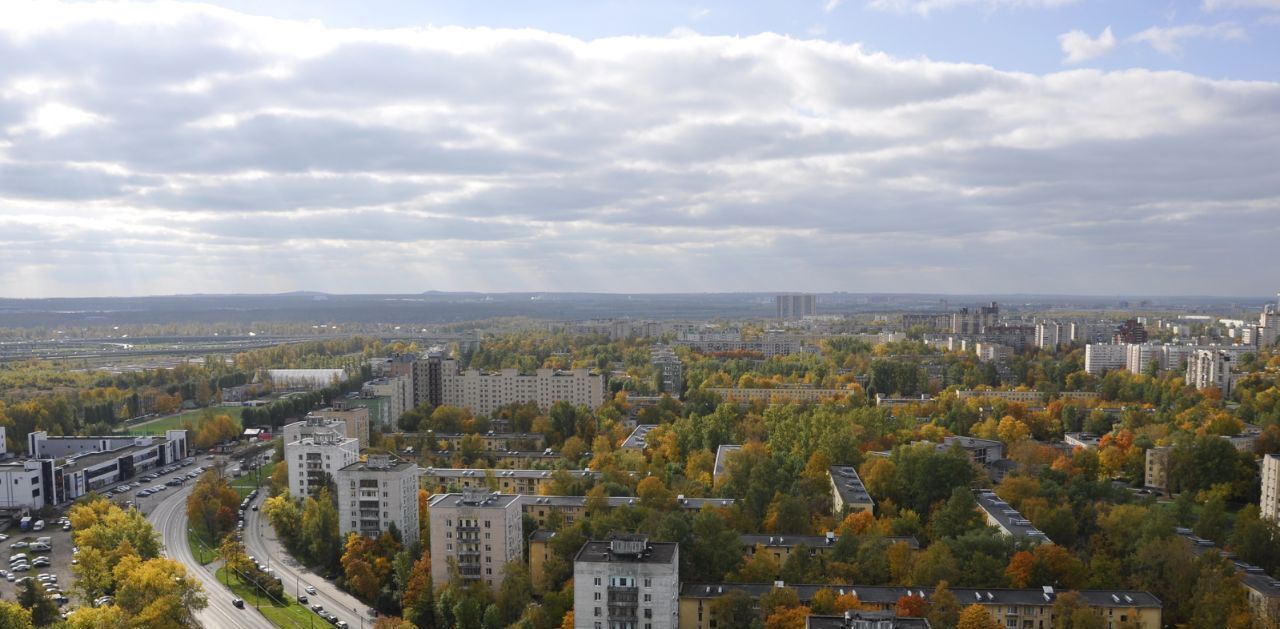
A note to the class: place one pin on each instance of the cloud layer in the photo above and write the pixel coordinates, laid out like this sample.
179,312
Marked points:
166,148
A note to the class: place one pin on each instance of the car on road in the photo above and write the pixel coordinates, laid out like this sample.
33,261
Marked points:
317,608
238,602
303,600
66,526
310,590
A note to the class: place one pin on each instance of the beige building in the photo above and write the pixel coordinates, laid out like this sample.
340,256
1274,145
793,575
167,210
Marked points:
483,393
848,494
311,458
1026,397
781,395
1157,470
376,493
475,533
626,582
1030,608
781,546
571,509
356,419
539,555
1213,367
526,482
1270,503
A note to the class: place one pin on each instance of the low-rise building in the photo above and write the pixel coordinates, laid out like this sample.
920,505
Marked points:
1026,397
514,481
1157,469
722,459
981,451
23,486
636,440
1003,516
848,494
857,619
626,582
377,493
72,466
1009,607
780,395
571,509
475,533
1081,440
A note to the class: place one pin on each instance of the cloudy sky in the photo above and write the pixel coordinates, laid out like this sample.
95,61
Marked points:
1047,146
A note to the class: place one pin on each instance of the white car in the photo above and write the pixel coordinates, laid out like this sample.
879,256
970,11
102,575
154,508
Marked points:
310,590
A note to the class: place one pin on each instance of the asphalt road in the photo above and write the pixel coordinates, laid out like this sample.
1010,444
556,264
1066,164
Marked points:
261,542
170,519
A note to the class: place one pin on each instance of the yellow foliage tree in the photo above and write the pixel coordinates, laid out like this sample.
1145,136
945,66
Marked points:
976,617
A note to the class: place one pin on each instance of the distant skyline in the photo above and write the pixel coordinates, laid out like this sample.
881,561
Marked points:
1074,147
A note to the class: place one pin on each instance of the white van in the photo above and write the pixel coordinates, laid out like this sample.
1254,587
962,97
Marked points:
38,525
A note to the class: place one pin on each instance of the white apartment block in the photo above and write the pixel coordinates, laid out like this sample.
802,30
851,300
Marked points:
476,533
312,457
1049,334
627,582
23,485
1139,356
311,426
1104,357
376,493
1213,367
1270,503
483,393
356,418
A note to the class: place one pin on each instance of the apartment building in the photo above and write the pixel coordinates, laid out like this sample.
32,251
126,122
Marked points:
1026,397
356,418
1100,358
312,425
976,320
398,390
1029,607
1270,502
981,451
1049,334
376,493
1157,469
313,457
571,509
848,494
475,533
796,306
483,393
626,582
780,395
1140,356
1003,516
670,370
513,481
781,546
1213,367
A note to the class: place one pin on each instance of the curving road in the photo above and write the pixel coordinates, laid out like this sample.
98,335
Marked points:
261,542
170,519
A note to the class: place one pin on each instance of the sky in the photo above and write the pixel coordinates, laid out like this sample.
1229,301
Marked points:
1124,147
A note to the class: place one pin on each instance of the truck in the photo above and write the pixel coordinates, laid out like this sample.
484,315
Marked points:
25,524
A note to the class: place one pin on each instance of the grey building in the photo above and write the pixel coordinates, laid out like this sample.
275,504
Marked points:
626,582
376,493
475,533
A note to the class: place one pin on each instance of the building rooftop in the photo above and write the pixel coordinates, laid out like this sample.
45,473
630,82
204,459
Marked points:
541,535
628,551
635,440
722,457
1008,517
812,541
970,443
473,499
859,619
1251,576
846,481
376,463
462,472
889,595
691,504
85,461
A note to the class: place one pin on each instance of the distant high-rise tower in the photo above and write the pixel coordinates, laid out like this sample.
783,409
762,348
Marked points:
1131,331
797,305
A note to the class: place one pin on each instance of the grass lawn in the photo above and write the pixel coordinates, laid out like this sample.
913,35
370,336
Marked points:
291,614
249,480
200,548
174,422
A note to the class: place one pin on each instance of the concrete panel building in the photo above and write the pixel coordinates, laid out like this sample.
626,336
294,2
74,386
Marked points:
796,305
376,493
356,418
483,393
475,533
311,458
626,582
1100,358
848,494
1270,502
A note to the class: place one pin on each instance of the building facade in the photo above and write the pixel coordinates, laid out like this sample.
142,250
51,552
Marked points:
376,493
796,306
626,582
1270,502
1100,358
311,458
475,533
484,393
848,494
356,418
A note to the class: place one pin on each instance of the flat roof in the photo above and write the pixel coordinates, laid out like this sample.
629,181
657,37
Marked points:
463,472
541,535
85,461
497,501
889,595
846,481
722,457
599,552
396,465
843,622
1253,577
1008,517
812,541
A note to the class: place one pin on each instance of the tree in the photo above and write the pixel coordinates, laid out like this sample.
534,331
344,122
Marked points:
319,538
733,609
944,610
959,514
1213,519
43,610
213,506
283,514
157,593
12,615
911,606
516,591
788,618
976,617
357,569
417,598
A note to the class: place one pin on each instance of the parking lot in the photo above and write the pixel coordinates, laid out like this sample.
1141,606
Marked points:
59,557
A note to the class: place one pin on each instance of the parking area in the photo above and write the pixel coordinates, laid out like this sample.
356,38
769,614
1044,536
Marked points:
30,554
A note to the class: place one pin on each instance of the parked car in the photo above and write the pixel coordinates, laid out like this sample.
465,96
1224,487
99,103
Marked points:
238,602
303,600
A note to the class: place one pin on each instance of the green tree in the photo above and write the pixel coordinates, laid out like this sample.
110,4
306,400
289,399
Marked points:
734,609
43,610
13,616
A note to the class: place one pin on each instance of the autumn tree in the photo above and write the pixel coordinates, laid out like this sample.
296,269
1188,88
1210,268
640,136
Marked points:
976,617
911,606
285,516
12,615
734,609
944,608
788,618
42,608
212,507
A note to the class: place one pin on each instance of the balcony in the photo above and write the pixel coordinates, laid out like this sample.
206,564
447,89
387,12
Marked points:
468,529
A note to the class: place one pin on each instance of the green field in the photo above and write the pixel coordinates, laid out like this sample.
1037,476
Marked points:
292,614
200,548
173,422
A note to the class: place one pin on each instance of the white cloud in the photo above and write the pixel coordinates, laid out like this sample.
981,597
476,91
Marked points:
188,150
1168,39
925,7
1079,46
830,5
1214,5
